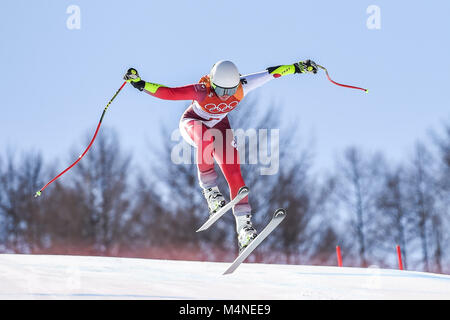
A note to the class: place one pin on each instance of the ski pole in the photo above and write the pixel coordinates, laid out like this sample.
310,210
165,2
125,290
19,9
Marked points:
340,84
38,193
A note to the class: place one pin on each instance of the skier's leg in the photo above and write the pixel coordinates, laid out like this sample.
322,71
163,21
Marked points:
227,157
196,131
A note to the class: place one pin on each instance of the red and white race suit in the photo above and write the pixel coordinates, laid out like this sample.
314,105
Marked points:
207,111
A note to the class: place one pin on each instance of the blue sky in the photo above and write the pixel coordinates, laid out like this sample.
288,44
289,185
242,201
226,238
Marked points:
55,81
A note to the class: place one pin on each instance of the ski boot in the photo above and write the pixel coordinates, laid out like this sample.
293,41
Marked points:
214,198
245,231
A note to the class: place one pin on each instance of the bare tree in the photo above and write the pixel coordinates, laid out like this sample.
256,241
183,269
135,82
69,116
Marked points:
19,179
442,141
421,191
99,189
358,182
443,187
394,212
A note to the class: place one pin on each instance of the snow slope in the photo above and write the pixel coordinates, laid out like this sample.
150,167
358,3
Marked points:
79,277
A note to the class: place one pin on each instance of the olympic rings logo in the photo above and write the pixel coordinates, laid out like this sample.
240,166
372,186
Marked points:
221,107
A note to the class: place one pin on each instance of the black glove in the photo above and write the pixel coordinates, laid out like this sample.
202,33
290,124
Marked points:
306,66
132,76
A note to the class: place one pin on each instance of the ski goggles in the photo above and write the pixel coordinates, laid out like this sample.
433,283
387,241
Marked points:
221,91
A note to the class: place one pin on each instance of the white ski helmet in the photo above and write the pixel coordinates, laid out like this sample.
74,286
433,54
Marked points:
224,78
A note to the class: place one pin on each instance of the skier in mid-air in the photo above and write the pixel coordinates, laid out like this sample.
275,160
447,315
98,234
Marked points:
213,98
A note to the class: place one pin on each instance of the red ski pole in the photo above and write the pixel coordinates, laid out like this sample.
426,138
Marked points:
340,84
38,193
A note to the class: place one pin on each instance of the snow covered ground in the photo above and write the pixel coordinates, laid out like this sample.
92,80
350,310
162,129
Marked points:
79,277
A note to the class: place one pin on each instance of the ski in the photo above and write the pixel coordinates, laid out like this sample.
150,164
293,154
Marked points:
278,216
243,192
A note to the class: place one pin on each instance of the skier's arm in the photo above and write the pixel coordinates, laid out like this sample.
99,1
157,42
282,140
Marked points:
255,80
189,92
